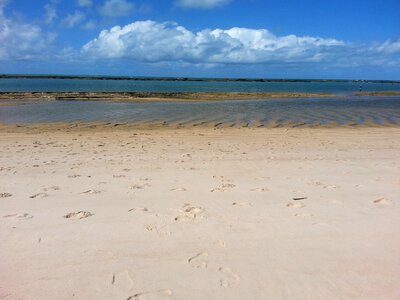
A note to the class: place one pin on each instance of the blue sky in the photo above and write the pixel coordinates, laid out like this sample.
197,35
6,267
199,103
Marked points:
210,38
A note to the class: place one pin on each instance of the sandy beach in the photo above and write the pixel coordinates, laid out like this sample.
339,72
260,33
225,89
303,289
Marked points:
117,212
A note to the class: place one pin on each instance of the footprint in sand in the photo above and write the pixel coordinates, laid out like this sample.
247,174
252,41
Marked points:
161,231
122,280
381,202
190,213
91,192
229,277
39,195
242,204
5,195
299,198
119,176
330,186
24,216
259,190
295,205
223,187
153,295
199,261
178,190
51,188
221,243
325,186
74,176
139,186
227,185
141,209
78,215
303,215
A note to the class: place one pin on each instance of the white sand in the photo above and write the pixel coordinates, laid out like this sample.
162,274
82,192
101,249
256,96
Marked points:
200,214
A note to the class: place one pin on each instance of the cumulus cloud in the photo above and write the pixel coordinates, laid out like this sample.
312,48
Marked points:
71,20
201,4
149,41
116,8
84,3
20,40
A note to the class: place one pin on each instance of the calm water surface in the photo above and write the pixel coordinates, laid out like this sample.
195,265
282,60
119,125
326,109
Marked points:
73,85
296,112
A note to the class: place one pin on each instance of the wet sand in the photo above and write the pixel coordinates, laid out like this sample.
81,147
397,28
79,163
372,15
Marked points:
119,212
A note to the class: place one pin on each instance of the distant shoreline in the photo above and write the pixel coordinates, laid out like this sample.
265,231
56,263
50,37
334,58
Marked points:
138,97
190,79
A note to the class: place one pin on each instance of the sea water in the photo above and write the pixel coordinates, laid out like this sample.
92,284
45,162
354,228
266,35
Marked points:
345,110
78,85
250,113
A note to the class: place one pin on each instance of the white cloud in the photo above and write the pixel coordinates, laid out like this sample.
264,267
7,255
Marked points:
71,20
390,47
116,8
84,3
20,40
149,41
50,13
201,4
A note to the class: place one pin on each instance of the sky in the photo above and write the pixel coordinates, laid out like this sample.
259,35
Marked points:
326,39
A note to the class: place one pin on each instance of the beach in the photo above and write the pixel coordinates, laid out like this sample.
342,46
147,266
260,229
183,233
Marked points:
91,211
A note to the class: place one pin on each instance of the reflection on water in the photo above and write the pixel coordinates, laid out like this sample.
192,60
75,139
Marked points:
298,112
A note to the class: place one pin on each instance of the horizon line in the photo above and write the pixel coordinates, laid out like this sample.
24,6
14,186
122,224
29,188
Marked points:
185,78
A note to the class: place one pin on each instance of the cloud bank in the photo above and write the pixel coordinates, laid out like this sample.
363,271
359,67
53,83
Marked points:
149,41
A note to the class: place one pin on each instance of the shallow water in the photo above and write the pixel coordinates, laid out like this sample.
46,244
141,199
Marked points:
275,113
74,85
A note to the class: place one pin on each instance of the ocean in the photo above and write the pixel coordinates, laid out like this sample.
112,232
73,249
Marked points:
343,111
78,85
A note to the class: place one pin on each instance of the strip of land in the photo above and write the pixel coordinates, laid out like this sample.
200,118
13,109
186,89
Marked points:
153,96
383,94
100,212
140,97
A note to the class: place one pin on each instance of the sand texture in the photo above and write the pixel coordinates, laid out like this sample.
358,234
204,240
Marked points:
124,213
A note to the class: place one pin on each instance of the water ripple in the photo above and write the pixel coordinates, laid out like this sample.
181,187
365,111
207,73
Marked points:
354,111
